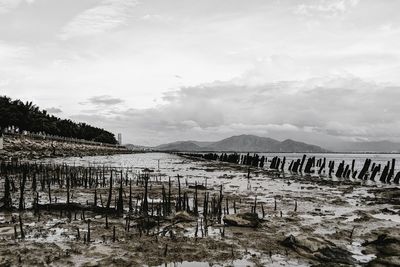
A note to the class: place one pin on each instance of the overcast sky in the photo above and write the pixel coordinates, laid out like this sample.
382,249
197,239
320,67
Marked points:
157,71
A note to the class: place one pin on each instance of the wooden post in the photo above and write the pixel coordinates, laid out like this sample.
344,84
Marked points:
22,189
145,206
110,192
365,168
179,194
385,173
165,250
397,178
21,227
68,185
130,196
88,233
391,173
283,164
120,203
302,163
95,198
15,232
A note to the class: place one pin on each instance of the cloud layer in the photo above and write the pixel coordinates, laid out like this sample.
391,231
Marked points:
158,71
101,18
105,100
321,111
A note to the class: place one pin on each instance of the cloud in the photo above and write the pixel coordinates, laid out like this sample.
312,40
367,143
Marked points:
9,5
54,110
10,52
105,100
104,17
325,8
156,18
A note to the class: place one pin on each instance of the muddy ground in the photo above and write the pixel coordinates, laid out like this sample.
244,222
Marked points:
307,221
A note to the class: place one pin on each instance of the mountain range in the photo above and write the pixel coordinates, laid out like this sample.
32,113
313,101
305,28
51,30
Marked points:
242,143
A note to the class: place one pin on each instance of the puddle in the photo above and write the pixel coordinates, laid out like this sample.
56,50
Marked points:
356,249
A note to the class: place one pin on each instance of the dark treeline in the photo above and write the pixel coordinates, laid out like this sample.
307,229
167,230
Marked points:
28,117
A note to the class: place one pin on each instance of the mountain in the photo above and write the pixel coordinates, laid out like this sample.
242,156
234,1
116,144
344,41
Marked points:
290,145
201,143
242,143
179,146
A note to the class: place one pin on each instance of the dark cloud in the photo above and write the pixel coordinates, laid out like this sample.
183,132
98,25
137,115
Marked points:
105,100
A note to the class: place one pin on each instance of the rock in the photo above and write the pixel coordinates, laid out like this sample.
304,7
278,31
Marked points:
289,241
242,219
183,216
309,244
318,249
334,254
385,261
386,245
387,249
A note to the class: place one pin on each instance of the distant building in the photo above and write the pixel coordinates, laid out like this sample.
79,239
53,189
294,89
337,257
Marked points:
120,138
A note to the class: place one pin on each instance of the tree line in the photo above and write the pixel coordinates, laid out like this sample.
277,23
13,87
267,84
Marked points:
28,117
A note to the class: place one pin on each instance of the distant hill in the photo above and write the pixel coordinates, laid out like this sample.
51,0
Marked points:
242,143
245,143
179,146
290,145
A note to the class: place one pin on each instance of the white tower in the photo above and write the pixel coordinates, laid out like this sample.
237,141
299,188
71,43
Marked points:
120,138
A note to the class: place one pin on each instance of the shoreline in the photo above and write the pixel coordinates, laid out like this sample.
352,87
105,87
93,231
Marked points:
23,147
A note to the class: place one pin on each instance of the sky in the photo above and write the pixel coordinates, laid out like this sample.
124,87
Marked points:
318,71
